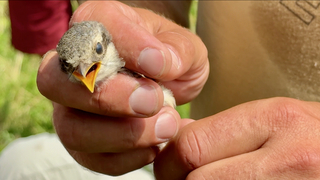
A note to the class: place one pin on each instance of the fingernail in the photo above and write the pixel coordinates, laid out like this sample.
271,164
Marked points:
175,60
152,61
166,126
144,100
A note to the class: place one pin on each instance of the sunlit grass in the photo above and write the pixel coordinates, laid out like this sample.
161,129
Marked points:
185,109
23,110
193,15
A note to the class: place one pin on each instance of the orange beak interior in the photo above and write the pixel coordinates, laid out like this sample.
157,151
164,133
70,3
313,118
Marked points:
90,76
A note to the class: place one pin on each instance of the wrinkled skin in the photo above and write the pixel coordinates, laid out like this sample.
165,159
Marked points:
269,138
266,139
125,119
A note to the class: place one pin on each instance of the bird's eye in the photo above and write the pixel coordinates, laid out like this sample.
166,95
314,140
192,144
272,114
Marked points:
99,48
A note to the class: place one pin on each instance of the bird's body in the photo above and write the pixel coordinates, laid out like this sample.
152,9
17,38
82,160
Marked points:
88,55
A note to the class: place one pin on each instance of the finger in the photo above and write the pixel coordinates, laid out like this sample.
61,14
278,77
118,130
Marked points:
82,131
244,166
190,64
119,96
208,140
282,160
115,163
239,130
153,45
130,37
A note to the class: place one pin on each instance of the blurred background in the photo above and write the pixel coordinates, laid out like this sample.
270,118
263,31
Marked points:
23,110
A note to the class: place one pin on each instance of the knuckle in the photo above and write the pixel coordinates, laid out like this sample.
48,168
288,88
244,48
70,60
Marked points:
305,159
96,101
104,104
111,97
299,161
65,128
283,112
190,149
131,138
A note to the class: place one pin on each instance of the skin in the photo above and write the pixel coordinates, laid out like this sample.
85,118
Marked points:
273,138
269,138
81,131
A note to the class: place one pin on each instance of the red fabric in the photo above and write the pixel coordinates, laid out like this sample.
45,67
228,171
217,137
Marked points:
37,26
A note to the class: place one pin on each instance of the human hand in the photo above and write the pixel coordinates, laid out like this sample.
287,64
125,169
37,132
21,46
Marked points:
116,130
275,138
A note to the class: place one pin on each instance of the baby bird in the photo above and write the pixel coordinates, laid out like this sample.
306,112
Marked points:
88,55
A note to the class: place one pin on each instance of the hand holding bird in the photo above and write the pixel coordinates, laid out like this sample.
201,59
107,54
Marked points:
111,130
87,54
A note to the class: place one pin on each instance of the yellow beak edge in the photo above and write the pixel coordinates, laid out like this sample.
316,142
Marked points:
90,76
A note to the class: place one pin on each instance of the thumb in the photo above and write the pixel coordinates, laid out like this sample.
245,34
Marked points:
153,45
132,35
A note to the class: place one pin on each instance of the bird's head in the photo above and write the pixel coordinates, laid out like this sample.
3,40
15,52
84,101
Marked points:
87,53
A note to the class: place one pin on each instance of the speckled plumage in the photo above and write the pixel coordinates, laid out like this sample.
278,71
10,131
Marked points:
77,49
78,46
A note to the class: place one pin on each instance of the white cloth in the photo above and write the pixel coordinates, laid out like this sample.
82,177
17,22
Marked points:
42,157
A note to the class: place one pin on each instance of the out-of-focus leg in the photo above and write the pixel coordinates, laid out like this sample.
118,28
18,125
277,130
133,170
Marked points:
43,156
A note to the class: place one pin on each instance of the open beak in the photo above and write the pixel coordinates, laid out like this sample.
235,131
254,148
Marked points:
87,74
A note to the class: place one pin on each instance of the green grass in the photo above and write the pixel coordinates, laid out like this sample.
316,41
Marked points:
193,15
23,110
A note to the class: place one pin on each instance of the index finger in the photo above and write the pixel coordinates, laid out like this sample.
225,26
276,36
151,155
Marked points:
271,123
153,46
